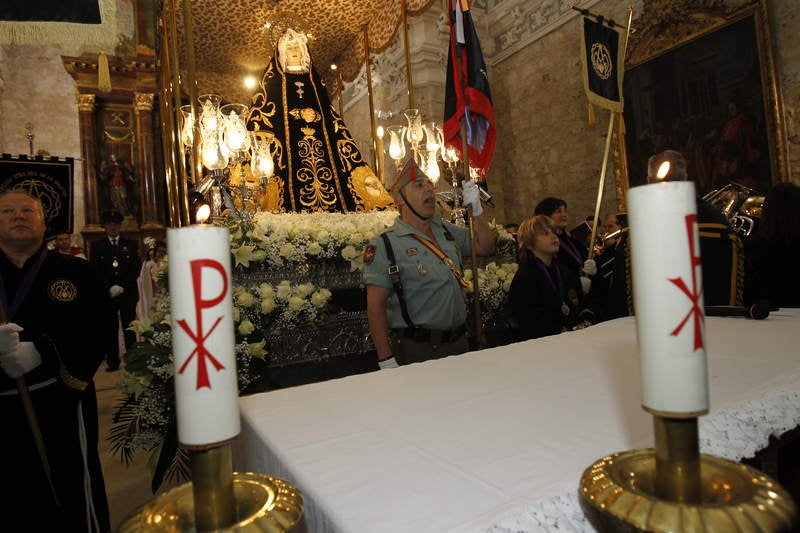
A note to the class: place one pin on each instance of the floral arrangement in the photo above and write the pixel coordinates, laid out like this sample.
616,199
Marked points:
298,242
494,282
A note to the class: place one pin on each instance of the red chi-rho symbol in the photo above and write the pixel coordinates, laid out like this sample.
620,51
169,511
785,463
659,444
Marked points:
696,291
199,337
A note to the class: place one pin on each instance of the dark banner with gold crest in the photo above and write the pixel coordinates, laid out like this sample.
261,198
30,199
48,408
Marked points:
603,60
47,178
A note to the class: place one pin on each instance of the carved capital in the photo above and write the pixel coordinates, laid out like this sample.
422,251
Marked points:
143,101
85,102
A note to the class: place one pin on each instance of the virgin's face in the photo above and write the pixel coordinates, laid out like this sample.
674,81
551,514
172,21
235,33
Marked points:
294,55
546,243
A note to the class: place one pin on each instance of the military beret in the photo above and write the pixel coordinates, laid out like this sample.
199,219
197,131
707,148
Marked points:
411,172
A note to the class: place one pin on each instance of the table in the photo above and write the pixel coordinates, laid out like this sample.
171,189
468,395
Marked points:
496,440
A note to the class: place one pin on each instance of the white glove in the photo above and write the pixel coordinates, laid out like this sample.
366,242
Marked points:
115,290
9,337
472,197
390,362
589,267
21,361
586,284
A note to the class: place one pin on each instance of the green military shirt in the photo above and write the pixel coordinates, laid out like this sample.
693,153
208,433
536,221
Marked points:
433,295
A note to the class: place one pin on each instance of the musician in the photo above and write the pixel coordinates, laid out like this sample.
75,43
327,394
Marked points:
610,251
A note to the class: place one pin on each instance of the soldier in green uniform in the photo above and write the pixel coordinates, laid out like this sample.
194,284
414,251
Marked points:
413,274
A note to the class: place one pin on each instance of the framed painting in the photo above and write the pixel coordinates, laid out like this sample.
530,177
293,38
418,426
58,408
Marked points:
700,79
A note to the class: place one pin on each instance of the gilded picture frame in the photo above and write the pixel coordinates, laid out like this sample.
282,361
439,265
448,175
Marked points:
692,67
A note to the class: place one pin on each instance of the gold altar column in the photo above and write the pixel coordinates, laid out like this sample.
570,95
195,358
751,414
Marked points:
368,67
169,133
86,104
143,113
406,48
194,160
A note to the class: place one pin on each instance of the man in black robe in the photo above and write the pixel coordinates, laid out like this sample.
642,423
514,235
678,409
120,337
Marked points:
52,302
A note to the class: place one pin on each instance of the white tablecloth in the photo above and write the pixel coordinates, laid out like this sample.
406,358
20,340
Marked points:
496,440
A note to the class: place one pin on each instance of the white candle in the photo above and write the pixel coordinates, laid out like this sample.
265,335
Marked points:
206,391
667,295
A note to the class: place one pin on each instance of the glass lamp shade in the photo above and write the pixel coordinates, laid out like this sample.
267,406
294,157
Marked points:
397,147
415,132
210,117
187,126
234,130
214,155
261,162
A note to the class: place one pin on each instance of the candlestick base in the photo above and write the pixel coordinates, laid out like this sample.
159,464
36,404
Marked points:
617,493
263,503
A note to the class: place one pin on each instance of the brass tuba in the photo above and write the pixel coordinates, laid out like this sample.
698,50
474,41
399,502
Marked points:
741,205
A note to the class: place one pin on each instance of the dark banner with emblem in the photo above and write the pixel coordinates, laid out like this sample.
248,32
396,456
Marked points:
47,178
80,11
603,65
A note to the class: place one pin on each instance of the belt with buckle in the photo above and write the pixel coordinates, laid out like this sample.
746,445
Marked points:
434,336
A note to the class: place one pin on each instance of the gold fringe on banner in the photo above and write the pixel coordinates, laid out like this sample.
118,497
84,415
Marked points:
591,117
64,33
103,74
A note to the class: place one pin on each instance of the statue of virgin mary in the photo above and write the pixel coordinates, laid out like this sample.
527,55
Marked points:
318,166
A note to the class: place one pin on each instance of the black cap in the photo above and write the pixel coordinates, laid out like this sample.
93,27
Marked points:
111,216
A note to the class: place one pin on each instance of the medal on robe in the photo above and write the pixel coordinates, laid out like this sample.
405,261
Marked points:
114,263
421,270
565,309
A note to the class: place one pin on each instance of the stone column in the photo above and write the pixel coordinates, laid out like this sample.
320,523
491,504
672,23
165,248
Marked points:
150,210
86,121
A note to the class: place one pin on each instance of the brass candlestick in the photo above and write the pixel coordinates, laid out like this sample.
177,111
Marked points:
220,500
675,488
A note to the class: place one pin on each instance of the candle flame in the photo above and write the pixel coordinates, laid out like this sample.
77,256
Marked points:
663,170
202,214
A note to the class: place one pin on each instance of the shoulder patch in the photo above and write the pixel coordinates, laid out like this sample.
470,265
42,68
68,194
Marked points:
369,254
62,290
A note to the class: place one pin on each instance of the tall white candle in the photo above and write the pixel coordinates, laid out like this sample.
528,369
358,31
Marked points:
206,391
668,298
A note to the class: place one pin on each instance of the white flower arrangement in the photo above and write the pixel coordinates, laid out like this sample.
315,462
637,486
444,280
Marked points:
494,282
295,239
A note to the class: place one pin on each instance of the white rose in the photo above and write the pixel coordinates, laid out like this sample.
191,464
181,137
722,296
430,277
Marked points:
246,299
266,291
304,289
259,256
349,252
319,298
507,285
246,327
314,249
296,303
286,249
236,314
356,238
256,349
323,236
284,290
267,306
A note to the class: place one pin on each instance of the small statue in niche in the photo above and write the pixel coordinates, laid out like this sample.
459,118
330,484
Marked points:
119,186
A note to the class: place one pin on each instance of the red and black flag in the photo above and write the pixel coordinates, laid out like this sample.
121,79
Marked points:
467,93
603,63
